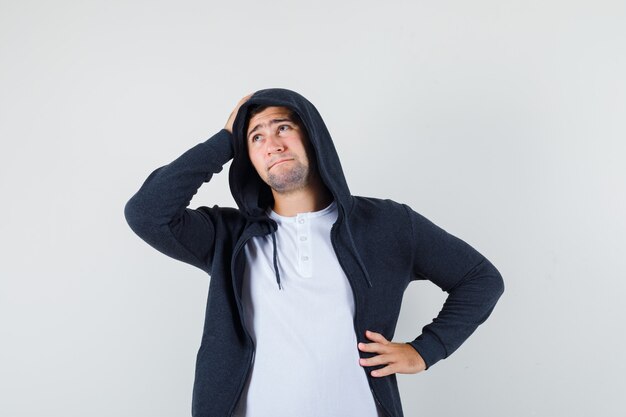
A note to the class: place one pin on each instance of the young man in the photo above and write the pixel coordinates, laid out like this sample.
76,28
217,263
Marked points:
306,279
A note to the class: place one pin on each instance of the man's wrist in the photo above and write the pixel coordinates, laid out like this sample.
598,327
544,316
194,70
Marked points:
222,144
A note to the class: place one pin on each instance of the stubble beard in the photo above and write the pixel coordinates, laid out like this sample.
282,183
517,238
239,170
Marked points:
285,181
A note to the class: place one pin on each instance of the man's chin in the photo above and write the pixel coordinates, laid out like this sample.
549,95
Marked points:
286,186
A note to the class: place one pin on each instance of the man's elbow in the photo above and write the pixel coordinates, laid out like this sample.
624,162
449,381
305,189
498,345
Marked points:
486,282
495,281
136,216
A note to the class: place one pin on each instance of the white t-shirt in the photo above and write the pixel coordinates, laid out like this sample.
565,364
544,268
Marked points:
306,362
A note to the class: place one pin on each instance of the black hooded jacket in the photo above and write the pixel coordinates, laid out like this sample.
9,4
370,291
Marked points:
381,245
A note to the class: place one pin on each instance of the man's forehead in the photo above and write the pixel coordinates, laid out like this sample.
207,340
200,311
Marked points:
269,113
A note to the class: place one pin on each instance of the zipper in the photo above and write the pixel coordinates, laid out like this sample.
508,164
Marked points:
240,308
332,235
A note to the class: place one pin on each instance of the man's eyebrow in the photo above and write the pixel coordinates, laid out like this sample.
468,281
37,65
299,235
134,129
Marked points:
273,121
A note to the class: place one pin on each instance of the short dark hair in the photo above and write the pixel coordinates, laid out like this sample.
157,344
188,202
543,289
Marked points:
255,109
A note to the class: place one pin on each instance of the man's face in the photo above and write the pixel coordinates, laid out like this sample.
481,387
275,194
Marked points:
278,148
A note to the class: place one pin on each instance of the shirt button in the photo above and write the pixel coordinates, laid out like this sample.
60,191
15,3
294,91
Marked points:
301,221
305,258
302,237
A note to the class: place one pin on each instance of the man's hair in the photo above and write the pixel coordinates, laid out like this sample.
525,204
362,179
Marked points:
255,109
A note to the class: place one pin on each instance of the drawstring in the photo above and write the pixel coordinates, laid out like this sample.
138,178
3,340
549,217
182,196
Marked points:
258,216
350,238
275,263
267,222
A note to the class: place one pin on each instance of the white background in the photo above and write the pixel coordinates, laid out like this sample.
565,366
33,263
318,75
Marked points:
501,121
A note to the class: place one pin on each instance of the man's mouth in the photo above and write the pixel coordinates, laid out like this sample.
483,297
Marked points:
280,161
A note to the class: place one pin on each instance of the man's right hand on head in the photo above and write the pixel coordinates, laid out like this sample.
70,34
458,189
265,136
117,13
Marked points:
233,114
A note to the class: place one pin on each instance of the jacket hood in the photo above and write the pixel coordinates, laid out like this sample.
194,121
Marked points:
253,196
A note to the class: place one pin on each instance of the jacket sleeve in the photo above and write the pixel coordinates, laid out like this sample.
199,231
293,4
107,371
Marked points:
158,212
473,285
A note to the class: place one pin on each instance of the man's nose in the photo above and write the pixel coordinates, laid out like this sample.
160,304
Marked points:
274,144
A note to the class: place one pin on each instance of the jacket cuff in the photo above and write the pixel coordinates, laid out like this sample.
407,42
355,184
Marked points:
222,144
430,348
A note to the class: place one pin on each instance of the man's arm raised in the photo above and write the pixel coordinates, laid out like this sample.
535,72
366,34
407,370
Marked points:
158,211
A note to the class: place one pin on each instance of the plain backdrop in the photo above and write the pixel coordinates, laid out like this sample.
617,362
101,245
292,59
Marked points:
501,121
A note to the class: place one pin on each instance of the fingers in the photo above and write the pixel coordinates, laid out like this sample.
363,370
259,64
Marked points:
399,357
375,360
395,362
245,98
388,360
387,370
380,345
233,114
372,347
376,337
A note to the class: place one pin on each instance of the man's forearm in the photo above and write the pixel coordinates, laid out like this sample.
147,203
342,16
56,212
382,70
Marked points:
169,189
468,305
157,212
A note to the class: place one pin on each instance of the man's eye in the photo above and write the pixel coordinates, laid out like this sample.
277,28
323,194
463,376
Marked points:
254,138
281,127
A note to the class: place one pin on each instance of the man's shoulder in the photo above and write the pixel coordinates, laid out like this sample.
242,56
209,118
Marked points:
381,218
374,207
376,203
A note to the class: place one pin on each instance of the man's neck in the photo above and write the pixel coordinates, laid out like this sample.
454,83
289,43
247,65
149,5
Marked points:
302,201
